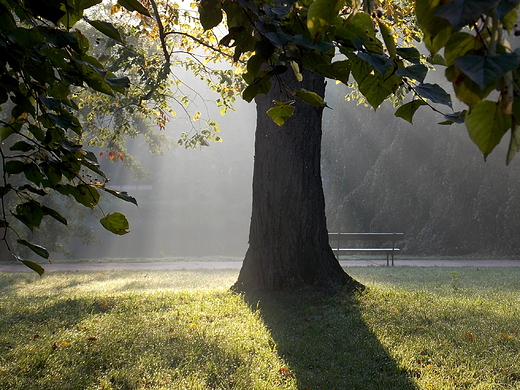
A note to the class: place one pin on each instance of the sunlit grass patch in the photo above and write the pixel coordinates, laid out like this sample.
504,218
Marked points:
414,328
83,339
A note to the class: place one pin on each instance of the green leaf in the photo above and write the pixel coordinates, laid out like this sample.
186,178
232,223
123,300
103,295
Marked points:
134,5
359,31
116,223
21,146
39,250
310,97
29,213
260,85
118,84
321,14
121,195
379,62
33,173
14,167
434,92
408,110
410,54
53,174
210,13
465,89
460,13
54,214
106,28
32,265
50,102
505,8
282,112
374,90
434,43
34,190
456,117
486,70
13,126
436,30
459,44
264,49
487,124
87,195
414,72
388,38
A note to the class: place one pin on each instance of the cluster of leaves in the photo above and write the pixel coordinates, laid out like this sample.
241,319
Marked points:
186,44
346,40
147,49
43,62
479,61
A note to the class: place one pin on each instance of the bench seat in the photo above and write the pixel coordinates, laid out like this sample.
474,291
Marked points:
388,239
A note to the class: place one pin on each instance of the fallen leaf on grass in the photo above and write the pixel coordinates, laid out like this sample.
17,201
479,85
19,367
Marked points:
285,371
193,326
92,339
507,336
469,336
61,343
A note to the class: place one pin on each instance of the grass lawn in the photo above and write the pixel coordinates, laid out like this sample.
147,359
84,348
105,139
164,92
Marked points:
414,328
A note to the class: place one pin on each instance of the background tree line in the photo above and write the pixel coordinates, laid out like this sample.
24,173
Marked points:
427,180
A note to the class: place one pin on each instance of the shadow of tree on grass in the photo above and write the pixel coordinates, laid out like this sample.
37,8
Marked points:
326,343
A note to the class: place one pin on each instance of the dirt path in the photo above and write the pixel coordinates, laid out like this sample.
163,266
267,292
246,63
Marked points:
193,265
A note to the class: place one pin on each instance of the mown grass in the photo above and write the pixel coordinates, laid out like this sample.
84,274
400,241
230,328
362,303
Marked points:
413,328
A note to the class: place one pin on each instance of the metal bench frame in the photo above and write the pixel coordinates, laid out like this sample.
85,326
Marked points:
390,238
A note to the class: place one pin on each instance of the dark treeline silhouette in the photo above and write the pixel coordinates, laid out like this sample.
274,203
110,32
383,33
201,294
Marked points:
381,173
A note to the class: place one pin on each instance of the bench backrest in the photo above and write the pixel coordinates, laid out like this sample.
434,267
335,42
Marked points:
366,236
389,238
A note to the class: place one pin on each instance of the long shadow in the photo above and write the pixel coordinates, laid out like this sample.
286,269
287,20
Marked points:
326,344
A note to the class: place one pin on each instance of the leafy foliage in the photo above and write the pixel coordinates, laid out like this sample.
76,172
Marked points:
45,62
479,61
342,41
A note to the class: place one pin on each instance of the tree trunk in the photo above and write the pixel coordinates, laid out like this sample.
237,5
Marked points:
288,238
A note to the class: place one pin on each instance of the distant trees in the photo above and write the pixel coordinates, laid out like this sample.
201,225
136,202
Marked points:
429,181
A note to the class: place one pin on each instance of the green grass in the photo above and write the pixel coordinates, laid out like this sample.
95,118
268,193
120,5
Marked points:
414,328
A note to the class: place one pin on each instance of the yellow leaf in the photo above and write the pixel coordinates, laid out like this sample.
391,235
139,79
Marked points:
115,9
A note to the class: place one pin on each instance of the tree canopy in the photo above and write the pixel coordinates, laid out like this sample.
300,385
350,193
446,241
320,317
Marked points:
47,60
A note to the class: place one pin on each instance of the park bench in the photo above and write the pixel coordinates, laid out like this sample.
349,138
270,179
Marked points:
387,243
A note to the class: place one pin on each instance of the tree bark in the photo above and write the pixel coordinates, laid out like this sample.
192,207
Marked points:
288,239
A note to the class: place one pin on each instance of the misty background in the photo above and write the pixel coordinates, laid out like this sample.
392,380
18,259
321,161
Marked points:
380,174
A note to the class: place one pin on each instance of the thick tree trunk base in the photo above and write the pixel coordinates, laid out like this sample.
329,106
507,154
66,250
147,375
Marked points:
255,277
288,239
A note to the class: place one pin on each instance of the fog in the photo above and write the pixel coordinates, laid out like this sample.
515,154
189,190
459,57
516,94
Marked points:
380,173
192,202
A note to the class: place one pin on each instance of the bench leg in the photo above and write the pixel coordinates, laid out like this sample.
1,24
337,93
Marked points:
387,264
